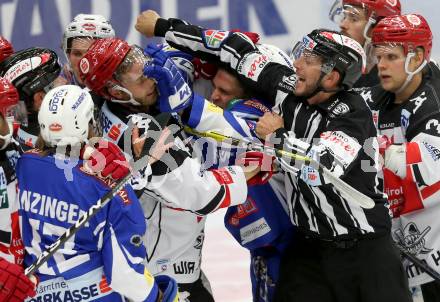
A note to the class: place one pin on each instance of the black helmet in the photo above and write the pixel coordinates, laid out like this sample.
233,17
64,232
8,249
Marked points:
338,52
31,70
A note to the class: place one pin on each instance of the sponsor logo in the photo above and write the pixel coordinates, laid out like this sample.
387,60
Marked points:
215,38
184,267
84,65
404,119
89,27
79,101
55,127
223,176
432,150
254,230
256,105
257,65
289,83
414,20
243,210
56,100
111,125
24,66
162,264
344,142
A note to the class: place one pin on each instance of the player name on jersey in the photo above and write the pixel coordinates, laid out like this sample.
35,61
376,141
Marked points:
49,206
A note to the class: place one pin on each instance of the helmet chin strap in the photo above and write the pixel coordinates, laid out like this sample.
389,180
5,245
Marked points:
319,87
410,74
131,101
8,137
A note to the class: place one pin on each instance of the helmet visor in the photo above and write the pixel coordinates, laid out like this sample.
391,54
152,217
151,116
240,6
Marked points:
352,14
131,69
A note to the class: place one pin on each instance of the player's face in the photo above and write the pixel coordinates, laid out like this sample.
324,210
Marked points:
391,66
308,70
77,51
226,88
353,23
142,88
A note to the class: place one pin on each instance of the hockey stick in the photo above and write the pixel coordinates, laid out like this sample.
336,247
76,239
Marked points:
50,251
345,189
419,263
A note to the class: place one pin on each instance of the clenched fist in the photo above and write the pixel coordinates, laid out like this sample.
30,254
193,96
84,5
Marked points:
146,23
268,123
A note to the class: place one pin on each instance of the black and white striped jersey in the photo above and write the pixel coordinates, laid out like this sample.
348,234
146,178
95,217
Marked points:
339,133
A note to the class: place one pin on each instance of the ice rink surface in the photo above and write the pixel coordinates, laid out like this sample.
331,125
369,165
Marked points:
225,262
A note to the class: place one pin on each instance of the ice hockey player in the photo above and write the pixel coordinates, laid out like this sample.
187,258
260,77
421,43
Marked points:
261,224
324,120
114,70
406,108
14,285
356,19
103,260
78,36
33,72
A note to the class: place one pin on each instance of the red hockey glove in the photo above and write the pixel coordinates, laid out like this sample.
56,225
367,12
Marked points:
203,69
107,159
255,158
251,35
14,285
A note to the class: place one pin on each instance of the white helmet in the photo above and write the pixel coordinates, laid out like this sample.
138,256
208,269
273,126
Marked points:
275,54
83,25
64,115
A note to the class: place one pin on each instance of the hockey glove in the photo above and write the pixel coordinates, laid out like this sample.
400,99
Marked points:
183,61
107,159
14,285
168,287
255,158
255,37
174,93
395,160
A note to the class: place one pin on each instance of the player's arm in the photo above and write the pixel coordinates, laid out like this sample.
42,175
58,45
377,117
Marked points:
271,80
123,253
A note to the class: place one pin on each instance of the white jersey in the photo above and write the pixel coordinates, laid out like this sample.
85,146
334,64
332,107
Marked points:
414,200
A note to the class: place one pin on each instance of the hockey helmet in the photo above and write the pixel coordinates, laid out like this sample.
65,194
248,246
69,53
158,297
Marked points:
374,9
9,108
337,51
410,31
89,26
106,61
31,70
64,116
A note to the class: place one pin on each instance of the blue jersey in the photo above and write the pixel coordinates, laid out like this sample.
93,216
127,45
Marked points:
103,260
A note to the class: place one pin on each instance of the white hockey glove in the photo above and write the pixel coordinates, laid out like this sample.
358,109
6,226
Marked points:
395,160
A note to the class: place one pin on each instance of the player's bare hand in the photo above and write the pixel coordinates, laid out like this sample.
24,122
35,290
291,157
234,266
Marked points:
161,146
268,123
146,22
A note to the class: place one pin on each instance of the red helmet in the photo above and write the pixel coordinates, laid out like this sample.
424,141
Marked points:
6,49
380,8
8,97
99,64
410,31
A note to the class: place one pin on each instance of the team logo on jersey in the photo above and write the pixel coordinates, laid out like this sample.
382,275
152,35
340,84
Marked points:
340,109
412,240
214,38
